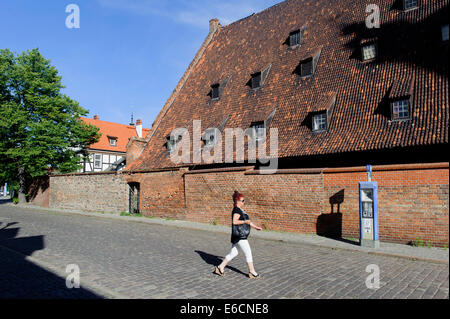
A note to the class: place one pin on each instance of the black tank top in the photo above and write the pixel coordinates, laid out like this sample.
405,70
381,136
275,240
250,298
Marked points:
242,216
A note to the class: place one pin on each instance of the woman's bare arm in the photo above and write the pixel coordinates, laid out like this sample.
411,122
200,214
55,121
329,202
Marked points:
255,227
236,220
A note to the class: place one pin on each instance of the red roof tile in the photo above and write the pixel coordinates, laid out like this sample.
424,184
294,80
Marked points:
115,130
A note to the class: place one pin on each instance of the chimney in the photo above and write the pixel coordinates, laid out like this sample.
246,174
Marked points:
213,25
96,117
139,128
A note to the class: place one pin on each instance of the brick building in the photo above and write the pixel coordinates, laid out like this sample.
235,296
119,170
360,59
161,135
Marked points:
341,96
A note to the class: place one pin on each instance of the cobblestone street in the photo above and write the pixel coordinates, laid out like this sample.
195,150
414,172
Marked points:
119,259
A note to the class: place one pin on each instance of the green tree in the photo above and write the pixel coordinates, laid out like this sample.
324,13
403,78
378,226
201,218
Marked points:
40,128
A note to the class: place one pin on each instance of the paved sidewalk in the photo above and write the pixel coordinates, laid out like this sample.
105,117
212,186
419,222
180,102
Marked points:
433,254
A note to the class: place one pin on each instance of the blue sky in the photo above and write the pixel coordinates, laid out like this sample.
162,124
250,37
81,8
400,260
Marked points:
127,56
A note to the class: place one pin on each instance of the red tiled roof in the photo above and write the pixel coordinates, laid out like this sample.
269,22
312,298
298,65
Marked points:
402,88
115,130
325,103
409,47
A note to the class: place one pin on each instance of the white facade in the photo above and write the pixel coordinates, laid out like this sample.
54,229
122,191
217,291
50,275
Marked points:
100,161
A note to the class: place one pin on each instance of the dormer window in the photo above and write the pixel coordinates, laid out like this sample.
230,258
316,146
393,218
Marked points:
400,99
306,67
256,80
172,141
308,63
400,110
369,52
322,112
320,122
215,91
258,130
209,138
409,4
444,32
294,38
112,141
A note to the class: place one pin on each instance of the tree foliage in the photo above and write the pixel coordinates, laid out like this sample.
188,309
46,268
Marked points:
40,128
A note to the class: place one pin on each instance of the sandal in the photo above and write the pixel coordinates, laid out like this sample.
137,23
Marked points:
253,276
218,272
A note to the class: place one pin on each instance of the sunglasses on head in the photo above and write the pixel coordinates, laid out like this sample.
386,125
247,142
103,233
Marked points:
242,200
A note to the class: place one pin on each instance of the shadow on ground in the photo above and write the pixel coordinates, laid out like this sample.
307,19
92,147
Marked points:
216,260
22,279
5,201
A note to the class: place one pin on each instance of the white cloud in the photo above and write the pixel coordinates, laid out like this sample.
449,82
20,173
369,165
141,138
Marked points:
194,13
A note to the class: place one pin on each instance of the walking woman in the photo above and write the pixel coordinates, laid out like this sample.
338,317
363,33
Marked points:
241,225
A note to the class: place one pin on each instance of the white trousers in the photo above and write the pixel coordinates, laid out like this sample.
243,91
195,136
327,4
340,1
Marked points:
245,247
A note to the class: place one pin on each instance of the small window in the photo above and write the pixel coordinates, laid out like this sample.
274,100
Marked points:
170,145
369,52
172,142
320,122
409,4
306,68
210,140
400,110
209,137
97,161
256,80
113,142
215,91
444,31
259,132
294,38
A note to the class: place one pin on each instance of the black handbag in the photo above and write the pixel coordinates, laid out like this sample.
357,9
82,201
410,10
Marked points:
241,231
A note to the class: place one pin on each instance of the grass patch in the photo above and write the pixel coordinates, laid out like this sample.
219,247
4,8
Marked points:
131,215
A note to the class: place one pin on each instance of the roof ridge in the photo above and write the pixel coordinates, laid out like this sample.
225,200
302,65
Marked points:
254,14
127,125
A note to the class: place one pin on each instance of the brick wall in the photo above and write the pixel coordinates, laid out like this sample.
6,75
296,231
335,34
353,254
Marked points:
413,203
161,193
89,192
277,202
39,191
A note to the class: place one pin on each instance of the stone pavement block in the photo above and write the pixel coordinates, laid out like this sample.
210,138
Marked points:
145,260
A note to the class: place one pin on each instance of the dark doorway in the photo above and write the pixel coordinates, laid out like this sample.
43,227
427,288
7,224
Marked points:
330,225
134,198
